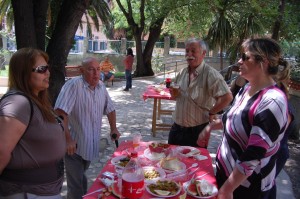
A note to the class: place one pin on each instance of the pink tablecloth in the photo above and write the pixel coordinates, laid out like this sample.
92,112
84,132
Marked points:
156,91
205,166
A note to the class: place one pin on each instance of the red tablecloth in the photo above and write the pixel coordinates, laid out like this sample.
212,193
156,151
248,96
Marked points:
205,166
157,91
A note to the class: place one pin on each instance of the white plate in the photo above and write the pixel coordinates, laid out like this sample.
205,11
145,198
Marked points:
117,159
181,165
161,196
193,151
214,192
162,174
153,156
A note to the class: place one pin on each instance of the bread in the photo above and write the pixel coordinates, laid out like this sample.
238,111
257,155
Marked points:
171,164
204,188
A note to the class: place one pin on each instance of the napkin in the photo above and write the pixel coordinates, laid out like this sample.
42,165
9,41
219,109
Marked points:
200,157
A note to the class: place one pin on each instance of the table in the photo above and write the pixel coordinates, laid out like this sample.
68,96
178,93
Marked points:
158,93
205,166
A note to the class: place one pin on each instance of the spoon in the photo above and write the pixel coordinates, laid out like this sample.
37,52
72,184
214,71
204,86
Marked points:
192,166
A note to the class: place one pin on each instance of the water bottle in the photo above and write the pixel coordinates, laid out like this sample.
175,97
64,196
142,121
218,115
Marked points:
133,179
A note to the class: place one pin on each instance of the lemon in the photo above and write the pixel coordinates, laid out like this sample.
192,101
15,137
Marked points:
183,196
162,192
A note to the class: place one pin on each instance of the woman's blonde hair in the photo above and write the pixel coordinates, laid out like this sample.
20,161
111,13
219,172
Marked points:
20,70
269,49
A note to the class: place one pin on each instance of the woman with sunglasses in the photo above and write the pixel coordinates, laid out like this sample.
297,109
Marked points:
32,140
254,125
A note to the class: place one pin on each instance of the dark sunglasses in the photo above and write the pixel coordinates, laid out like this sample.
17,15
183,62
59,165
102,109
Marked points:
245,57
40,69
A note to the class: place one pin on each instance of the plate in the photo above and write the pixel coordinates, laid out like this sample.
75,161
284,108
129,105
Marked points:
214,191
153,156
181,165
162,174
116,160
188,151
163,196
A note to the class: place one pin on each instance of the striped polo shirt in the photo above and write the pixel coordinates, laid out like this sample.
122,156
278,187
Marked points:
198,97
85,108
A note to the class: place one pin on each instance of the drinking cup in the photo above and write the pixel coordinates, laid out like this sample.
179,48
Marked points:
136,140
175,90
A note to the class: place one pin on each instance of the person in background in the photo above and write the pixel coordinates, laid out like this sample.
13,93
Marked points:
128,62
82,102
254,125
106,67
202,94
33,141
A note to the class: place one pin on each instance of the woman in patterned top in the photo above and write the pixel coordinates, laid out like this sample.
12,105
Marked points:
254,125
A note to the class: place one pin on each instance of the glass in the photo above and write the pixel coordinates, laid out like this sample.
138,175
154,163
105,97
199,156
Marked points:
136,140
175,89
40,69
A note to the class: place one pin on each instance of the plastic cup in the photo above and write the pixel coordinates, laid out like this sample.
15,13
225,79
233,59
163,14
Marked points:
175,90
136,140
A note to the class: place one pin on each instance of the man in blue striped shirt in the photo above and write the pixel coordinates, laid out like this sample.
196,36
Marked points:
82,102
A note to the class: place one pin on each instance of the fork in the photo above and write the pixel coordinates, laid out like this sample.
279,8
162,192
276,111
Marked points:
99,190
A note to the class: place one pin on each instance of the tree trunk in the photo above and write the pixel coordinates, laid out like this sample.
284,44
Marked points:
30,23
24,23
139,71
221,58
154,34
40,9
61,42
277,23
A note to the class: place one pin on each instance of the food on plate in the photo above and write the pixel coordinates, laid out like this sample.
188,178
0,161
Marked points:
171,164
116,191
201,188
151,174
105,193
185,151
162,192
164,187
182,196
123,161
157,147
189,151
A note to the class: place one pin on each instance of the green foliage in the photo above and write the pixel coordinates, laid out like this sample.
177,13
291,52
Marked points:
189,20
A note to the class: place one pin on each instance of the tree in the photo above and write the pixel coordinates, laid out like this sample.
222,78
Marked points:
147,16
30,24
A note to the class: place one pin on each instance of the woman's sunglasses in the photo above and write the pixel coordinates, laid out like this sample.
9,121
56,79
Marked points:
40,69
245,57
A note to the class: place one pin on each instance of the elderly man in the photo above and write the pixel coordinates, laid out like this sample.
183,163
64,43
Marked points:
202,94
82,102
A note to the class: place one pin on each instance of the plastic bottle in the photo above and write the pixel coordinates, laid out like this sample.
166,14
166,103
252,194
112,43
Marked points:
133,179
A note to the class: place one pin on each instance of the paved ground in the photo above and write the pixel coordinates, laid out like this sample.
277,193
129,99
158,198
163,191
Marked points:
134,115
